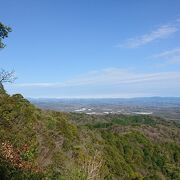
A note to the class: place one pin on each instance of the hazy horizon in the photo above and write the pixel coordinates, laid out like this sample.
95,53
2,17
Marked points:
143,97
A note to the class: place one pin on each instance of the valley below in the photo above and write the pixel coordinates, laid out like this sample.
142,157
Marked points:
168,108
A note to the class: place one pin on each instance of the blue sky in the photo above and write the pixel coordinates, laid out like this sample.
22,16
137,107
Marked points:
93,48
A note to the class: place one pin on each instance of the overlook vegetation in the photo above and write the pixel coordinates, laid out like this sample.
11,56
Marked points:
39,144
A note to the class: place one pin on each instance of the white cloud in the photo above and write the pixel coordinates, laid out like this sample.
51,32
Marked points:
160,33
39,84
169,57
175,60
167,53
106,77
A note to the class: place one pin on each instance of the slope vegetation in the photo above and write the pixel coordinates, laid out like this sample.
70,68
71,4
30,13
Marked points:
38,144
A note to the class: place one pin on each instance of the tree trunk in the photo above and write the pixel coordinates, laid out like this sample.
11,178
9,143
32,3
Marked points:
2,90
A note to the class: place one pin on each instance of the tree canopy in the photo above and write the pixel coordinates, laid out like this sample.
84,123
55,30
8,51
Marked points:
4,31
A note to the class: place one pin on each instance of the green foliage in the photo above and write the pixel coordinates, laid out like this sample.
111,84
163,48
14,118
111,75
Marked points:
123,120
58,144
29,155
76,174
9,172
139,155
4,30
134,120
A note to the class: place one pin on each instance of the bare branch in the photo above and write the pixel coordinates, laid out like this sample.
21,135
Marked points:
7,76
92,166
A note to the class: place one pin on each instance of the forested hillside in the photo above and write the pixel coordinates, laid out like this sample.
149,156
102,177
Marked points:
39,144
